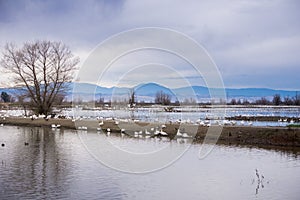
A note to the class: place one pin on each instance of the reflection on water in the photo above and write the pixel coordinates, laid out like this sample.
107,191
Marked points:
55,164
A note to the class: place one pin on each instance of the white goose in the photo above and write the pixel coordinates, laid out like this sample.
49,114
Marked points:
178,134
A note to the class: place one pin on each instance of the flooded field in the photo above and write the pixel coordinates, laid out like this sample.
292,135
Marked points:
41,163
184,114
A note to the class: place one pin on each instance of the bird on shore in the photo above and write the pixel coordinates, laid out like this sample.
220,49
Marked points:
147,132
185,135
156,132
178,134
162,133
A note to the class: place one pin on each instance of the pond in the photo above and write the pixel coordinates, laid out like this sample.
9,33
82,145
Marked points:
39,163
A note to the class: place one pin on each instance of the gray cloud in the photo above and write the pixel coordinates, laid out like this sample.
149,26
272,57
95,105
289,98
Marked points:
256,38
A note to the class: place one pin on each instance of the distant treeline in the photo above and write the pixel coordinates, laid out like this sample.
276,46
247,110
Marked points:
277,100
163,99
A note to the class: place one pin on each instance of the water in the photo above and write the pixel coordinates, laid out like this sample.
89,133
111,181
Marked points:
186,114
192,113
56,165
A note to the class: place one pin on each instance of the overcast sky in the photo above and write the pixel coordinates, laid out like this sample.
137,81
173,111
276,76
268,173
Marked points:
253,43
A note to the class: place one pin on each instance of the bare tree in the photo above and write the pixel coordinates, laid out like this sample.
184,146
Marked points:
276,99
262,101
297,99
288,101
162,98
132,98
43,68
233,102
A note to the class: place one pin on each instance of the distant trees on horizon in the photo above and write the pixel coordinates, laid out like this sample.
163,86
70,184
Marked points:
277,100
161,98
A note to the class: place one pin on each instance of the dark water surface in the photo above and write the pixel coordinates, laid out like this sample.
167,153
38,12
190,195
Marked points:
56,165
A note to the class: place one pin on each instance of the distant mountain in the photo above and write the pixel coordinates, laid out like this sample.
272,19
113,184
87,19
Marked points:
198,91
147,92
150,89
10,91
258,92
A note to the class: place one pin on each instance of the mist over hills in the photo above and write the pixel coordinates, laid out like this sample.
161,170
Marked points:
147,91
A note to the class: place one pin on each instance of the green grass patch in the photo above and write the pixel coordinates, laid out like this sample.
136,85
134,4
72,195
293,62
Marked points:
293,125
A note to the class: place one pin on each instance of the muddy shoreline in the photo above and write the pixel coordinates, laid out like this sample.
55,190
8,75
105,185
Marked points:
230,135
